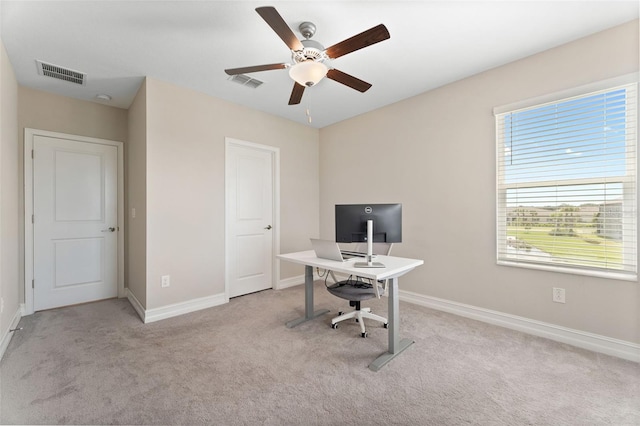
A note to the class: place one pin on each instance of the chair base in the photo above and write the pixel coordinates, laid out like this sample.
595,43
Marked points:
359,315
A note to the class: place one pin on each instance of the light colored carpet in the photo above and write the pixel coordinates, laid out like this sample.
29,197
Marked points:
237,364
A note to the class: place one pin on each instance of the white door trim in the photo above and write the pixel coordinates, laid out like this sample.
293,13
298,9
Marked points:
275,155
29,134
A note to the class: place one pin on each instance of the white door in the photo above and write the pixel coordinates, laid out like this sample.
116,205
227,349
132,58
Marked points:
75,240
249,198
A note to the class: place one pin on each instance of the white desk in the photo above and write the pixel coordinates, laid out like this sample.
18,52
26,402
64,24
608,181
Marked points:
395,267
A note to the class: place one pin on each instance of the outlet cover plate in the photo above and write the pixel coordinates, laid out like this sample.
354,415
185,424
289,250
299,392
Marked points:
558,295
166,281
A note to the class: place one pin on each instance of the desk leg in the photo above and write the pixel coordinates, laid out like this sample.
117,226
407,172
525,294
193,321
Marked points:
309,314
396,346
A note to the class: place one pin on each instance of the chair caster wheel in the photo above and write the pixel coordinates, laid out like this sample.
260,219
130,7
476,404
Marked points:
386,325
340,313
357,320
365,334
334,326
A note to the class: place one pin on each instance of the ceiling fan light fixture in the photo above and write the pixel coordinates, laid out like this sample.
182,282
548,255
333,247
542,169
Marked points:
308,73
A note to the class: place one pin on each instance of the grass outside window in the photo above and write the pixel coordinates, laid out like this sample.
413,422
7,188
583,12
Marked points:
584,247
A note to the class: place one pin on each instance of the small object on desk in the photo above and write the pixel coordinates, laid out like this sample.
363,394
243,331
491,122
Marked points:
353,253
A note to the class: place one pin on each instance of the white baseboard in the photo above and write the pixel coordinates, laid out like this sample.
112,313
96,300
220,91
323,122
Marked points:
293,281
137,306
168,311
6,335
594,342
290,282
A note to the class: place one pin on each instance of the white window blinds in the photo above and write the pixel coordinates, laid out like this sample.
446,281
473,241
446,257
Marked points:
566,184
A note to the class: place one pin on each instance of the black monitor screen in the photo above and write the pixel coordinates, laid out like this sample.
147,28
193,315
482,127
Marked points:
351,222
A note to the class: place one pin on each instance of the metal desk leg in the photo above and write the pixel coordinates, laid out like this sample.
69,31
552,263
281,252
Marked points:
309,314
396,346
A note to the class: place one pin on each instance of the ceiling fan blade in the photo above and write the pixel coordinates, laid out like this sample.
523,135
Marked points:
296,94
366,38
255,68
275,21
348,80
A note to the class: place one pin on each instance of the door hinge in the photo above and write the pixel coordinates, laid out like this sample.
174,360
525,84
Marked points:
32,154
33,219
33,283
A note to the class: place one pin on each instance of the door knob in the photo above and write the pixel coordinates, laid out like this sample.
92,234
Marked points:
109,230
267,227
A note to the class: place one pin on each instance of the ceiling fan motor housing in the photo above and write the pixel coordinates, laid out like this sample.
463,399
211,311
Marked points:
309,65
312,50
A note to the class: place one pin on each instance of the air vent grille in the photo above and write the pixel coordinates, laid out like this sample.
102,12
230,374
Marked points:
55,71
245,80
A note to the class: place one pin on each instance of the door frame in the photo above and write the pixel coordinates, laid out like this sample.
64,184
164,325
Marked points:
275,161
29,135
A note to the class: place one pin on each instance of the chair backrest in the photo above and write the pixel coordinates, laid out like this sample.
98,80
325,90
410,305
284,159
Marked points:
378,248
383,249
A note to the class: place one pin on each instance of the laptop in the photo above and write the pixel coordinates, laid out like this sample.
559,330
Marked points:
326,249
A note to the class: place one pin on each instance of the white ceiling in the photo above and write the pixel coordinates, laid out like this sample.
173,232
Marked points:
190,43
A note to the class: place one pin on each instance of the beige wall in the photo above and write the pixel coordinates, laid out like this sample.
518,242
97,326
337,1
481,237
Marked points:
46,111
435,153
186,134
9,205
136,197
174,178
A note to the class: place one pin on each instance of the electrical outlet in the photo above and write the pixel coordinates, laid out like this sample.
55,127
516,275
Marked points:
166,281
558,295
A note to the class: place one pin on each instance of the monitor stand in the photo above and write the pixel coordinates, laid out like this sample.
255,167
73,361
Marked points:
369,263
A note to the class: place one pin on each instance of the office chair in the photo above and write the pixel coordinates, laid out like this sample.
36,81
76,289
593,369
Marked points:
356,290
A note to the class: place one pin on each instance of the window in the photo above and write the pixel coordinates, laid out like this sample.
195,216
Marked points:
566,184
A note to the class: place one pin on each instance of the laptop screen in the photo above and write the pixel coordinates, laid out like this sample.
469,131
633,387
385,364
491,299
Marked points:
326,249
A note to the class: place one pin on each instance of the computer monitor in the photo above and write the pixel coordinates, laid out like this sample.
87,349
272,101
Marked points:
351,222
359,223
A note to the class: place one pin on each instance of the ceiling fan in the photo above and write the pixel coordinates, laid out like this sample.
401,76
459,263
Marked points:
309,56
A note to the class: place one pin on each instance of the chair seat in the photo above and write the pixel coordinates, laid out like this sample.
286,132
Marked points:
358,292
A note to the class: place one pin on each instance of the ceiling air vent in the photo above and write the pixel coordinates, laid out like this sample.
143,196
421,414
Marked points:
245,80
60,73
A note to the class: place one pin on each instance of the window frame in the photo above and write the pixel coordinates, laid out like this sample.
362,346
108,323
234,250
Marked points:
628,182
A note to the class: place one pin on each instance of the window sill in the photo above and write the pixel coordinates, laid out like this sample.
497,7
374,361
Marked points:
588,272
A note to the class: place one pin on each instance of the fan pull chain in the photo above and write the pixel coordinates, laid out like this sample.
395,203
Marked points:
308,115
